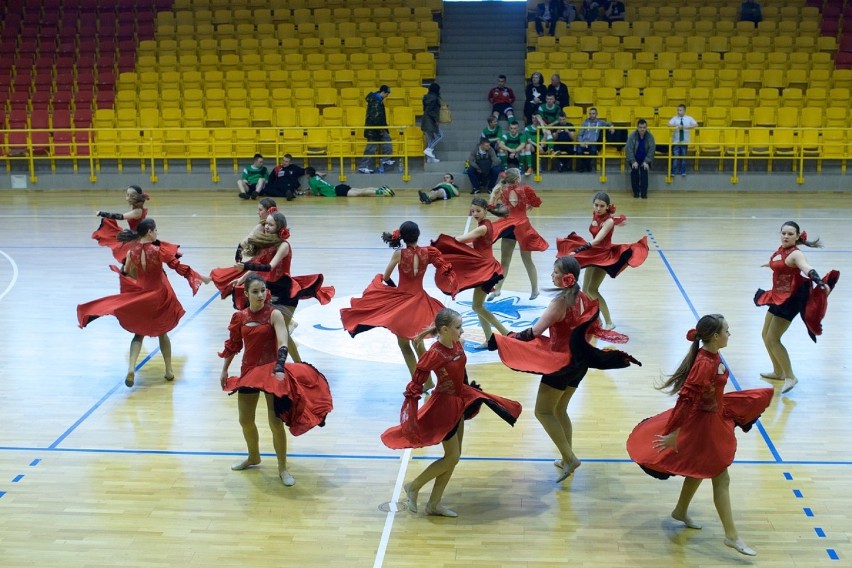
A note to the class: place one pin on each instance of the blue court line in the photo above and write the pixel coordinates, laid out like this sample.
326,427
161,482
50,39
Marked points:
808,512
832,554
2,493
141,364
17,478
797,493
764,434
788,476
819,532
35,462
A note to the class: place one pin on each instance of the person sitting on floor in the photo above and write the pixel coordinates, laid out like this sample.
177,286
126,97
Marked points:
447,189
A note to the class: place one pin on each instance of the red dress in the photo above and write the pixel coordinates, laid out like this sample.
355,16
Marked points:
405,309
285,289
567,342
452,399
302,398
517,225
146,305
794,294
706,416
107,235
611,258
474,267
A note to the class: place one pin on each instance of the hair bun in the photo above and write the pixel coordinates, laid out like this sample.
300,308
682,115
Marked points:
284,234
569,280
691,335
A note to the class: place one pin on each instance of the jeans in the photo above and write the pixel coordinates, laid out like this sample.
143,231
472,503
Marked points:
373,145
433,139
679,165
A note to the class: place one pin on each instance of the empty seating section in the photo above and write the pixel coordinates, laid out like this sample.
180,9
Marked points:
152,70
773,82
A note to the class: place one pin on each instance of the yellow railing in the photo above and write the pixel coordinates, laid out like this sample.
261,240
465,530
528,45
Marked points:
153,148
737,145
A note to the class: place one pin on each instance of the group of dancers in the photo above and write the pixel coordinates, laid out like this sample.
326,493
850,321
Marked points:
695,439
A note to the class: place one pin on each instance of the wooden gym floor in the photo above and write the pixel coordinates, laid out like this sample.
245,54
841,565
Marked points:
95,474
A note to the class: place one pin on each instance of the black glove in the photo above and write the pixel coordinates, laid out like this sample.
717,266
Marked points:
581,248
238,254
390,282
105,215
525,335
257,267
282,358
812,274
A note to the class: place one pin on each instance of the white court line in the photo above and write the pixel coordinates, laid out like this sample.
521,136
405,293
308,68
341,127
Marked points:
397,489
14,275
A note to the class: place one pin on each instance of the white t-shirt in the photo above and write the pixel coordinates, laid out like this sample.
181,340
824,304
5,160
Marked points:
688,124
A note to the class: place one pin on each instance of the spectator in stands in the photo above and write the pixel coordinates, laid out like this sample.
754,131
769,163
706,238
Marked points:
590,10
430,124
563,144
492,131
615,11
483,166
285,179
535,95
319,186
376,136
750,12
681,125
548,115
550,12
501,98
447,189
253,179
589,139
640,153
560,90
514,147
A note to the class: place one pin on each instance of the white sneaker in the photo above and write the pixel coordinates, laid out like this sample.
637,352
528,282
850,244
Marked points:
365,171
429,153
388,162
432,160
287,479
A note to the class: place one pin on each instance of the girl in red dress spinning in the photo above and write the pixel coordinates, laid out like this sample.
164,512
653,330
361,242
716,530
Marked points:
441,419
563,358
696,438
296,393
475,266
515,228
107,232
146,305
599,257
792,294
405,309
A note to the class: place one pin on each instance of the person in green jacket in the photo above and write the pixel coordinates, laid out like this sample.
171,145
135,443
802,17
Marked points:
319,186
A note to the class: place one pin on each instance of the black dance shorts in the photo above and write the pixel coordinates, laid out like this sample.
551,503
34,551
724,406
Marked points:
794,305
569,376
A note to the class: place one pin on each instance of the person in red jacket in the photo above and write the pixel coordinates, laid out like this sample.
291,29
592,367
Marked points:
501,98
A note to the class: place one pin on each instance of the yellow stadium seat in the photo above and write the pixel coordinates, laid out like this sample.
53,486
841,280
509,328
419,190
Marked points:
610,43
583,96
645,60
170,98
365,78
425,63
705,27
751,78
726,27
682,78
716,116
765,116
659,78
630,97
672,96
705,78
718,44
746,97
300,78
591,77
589,44
699,96
239,116
675,43
654,97
637,78
723,96
740,116
630,44
303,97
602,60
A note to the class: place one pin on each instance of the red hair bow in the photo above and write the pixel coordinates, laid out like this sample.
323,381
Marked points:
803,236
611,208
146,196
396,235
691,335
569,280
272,209
284,234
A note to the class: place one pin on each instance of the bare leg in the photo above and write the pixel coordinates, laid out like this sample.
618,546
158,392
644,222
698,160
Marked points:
279,440
550,405
166,350
433,506
442,467
292,350
507,248
722,500
773,328
681,510
591,282
135,349
247,405
486,318
526,257
407,353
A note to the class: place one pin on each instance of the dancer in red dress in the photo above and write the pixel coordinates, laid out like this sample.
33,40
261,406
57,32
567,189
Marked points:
515,228
441,419
271,255
475,266
792,294
146,305
107,233
265,207
696,438
404,309
296,393
599,257
563,358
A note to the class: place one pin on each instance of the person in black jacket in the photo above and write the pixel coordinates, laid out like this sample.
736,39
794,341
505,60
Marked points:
376,137
285,180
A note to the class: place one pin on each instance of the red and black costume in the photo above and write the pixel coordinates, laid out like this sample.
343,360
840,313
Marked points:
794,294
706,417
517,225
405,309
474,267
146,305
613,259
284,289
302,398
452,399
565,355
107,234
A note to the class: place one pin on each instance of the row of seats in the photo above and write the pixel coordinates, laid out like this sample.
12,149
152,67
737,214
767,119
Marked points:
237,15
430,30
308,46
672,60
688,42
701,96
436,6
707,78
721,9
